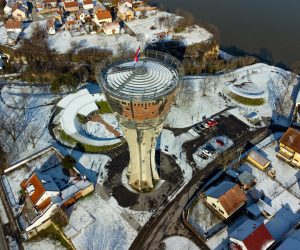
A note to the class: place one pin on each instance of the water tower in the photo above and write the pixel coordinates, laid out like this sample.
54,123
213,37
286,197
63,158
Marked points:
141,95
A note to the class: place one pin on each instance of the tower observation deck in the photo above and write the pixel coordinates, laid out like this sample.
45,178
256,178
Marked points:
141,95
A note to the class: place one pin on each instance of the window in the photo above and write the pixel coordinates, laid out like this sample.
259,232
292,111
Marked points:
214,205
221,211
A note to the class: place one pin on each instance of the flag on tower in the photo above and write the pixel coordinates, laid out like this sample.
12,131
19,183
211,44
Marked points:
137,55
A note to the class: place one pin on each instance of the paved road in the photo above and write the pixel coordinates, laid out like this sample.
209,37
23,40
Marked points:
168,221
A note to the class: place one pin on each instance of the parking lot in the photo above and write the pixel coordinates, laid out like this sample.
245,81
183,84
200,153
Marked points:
224,125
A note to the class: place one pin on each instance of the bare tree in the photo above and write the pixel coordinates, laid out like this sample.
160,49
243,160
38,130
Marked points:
205,86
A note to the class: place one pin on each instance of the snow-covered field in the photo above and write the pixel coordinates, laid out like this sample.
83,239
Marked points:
191,105
179,243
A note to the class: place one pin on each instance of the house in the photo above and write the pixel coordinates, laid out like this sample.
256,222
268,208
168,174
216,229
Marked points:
289,147
82,15
13,26
246,180
261,208
125,3
19,12
71,6
102,16
141,11
51,26
251,235
225,198
50,3
111,28
125,13
49,187
88,4
289,244
258,160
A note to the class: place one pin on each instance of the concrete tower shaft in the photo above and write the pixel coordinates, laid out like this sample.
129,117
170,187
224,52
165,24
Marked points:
141,95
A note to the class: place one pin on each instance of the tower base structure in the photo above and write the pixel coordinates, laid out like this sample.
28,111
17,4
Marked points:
141,95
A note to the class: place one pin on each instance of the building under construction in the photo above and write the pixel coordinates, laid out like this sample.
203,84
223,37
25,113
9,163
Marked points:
141,95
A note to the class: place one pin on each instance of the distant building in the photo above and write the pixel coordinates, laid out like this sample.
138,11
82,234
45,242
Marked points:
144,10
125,13
225,198
51,26
88,4
246,180
13,26
251,235
111,28
19,12
50,3
125,3
102,16
71,6
258,160
289,150
82,15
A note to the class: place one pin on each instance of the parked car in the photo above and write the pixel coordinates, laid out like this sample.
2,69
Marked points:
211,123
210,148
206,152
203,156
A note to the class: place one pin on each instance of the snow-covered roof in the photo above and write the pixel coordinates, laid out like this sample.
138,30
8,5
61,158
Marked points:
289,244
63,103
253,236
87,109
147,78
47,182
221,189
69,192
246,178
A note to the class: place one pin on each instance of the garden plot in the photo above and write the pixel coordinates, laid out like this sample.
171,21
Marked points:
204,221
45,243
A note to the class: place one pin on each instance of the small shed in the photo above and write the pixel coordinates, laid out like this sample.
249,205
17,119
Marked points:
246,180
258,160
261,207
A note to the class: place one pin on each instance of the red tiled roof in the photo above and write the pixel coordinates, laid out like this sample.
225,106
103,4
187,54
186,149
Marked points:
87,2
259,238
11,24
233,199
291,139
71,4
103,14
38,188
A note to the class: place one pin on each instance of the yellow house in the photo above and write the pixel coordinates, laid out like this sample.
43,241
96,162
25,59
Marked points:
225,198
289,147
258,160
125,13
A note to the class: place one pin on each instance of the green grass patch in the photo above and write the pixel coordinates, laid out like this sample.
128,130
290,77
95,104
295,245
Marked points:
247,101
103,107
82,119
67,138
52,233
85,147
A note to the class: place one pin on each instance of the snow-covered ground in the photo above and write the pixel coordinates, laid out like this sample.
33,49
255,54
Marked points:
191,105
179,243
27,110
109,230
45,243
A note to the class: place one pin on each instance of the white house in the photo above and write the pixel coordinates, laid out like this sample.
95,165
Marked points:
51,26
13,26
111,28
88,4
127,3
102,16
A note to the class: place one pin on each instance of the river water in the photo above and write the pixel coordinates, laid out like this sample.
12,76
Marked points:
269,28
